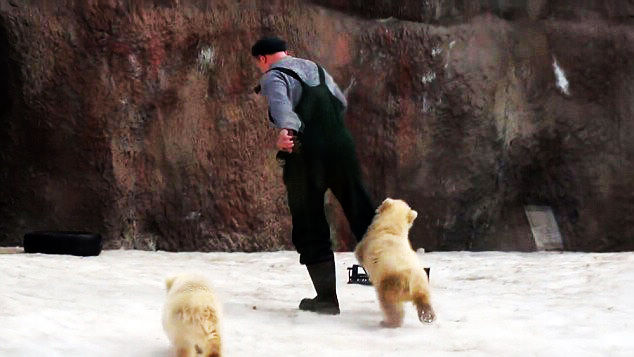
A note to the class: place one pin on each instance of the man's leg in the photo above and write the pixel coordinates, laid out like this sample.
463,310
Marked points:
311,233
345,183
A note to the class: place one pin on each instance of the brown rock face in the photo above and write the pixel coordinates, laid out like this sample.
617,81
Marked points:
136,118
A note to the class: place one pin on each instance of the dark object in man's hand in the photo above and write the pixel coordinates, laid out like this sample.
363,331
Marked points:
295,138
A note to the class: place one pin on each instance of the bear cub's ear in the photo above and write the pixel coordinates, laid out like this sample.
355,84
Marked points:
169,282
385,205
411,216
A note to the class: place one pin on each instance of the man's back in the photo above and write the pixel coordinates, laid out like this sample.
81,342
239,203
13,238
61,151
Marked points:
284,92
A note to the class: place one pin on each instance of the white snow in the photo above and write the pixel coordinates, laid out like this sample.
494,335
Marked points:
206,58
135,65
488,303
562,82
428,77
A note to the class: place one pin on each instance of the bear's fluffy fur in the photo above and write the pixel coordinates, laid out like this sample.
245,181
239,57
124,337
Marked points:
392,265
191,316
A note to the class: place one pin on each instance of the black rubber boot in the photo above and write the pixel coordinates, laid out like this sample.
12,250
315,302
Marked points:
324,280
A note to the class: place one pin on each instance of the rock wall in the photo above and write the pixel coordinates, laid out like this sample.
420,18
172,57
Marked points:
136,118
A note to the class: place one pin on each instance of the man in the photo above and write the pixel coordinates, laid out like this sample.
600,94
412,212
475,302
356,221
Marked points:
318,153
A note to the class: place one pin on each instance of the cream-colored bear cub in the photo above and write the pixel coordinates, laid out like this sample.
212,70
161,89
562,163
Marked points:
392,265
191,316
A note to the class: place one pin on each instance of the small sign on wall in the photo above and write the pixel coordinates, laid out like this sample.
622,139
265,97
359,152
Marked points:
544,227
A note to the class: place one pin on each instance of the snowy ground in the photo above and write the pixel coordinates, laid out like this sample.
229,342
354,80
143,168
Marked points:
491,303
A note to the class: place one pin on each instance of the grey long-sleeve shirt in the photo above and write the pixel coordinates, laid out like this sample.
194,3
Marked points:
283,92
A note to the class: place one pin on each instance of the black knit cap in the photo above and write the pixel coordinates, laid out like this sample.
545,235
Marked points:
268,45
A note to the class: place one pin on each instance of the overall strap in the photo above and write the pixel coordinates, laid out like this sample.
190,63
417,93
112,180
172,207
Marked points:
288,72
322,77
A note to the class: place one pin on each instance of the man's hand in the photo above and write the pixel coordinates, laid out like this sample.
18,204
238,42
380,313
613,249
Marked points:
285,141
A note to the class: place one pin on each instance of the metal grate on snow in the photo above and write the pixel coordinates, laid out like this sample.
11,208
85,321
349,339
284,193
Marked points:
358,275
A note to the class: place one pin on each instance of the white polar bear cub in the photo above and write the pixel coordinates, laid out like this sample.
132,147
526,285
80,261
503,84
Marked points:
392,265
191,316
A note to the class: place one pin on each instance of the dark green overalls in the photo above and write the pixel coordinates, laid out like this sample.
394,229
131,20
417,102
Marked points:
323,157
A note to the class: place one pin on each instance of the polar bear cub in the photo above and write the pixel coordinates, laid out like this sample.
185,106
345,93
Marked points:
392,265
191,316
